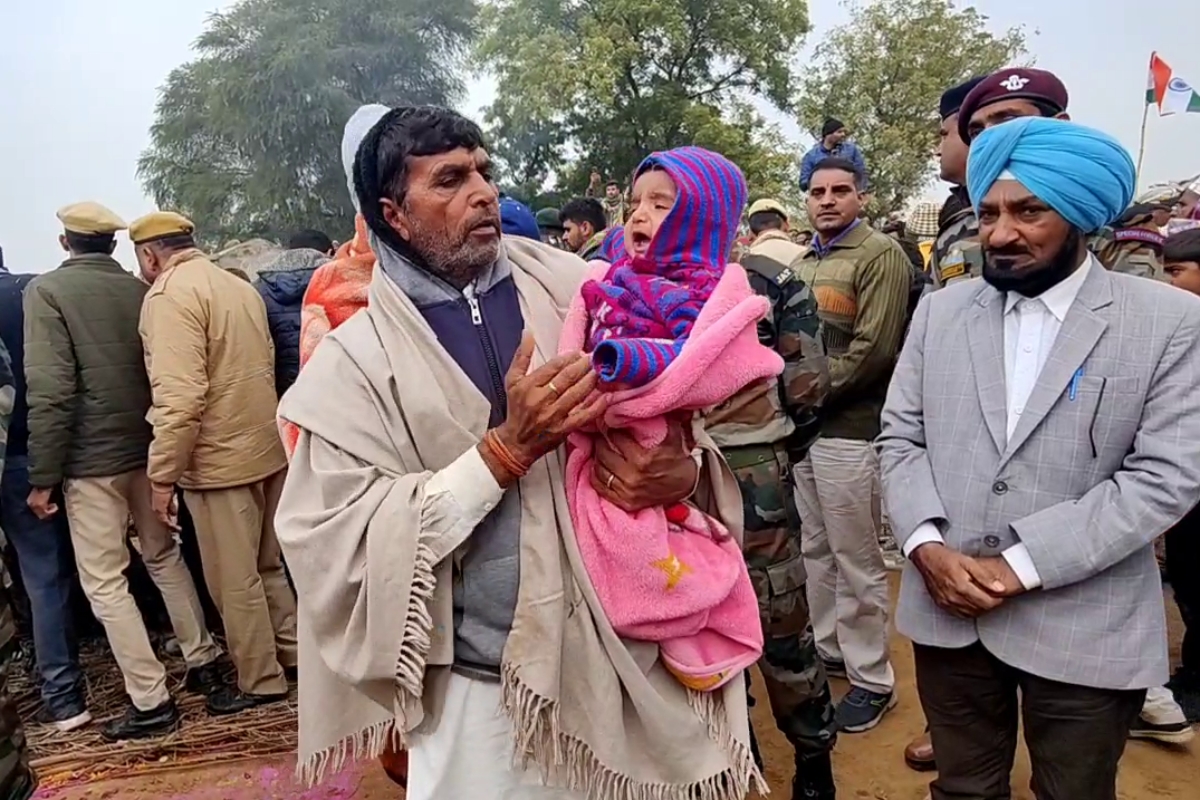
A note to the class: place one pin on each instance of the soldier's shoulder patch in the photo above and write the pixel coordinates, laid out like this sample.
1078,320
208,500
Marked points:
786,276
953,265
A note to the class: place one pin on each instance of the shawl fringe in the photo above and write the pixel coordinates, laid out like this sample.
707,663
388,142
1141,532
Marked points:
539,742
371,742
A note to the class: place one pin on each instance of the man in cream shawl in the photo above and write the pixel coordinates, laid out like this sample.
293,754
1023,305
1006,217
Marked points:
443,604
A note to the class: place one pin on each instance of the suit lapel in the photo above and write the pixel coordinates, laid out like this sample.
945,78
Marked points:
985,337
1080,331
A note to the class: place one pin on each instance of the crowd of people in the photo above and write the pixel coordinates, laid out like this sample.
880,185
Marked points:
1005,381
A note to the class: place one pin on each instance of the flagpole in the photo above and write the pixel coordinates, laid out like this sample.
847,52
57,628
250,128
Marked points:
1145,116
1142,143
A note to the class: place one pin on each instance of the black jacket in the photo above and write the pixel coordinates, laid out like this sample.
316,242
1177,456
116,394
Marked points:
12,322
282,284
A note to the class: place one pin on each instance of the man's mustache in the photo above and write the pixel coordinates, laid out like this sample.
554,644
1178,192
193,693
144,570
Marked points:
1005,257
485,219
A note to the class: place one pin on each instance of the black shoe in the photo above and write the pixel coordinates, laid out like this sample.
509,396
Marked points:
291,674
232,700
814,779
205,679
138,724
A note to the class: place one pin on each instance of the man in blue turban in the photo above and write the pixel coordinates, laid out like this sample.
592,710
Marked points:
1040,187
1037,437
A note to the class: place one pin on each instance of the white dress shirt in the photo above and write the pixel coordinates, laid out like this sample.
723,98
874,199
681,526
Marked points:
1031,324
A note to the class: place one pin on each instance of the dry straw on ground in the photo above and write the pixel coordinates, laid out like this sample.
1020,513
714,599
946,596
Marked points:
61,758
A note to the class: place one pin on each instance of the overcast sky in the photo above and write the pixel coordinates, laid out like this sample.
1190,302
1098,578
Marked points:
78,83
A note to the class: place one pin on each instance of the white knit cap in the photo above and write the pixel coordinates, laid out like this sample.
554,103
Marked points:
357,128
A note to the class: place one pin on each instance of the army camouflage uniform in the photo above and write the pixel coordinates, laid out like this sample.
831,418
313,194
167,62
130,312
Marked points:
957,255
1132,249
760,431
17,781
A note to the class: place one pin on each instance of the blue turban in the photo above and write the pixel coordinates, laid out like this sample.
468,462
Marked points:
1082,173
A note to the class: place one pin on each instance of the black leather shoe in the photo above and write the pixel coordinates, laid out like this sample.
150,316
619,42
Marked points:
814,779
138,724
232,700
204,680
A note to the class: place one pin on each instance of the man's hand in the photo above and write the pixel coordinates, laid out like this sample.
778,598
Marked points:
958,583
632,477
545,406
1001,572
166,507
41,504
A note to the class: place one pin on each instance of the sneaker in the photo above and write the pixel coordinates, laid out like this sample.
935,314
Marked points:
65,724
1165,732
137,724
834,668
861,710
205,679
232,700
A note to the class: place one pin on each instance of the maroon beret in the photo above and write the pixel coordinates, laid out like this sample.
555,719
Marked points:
1013,83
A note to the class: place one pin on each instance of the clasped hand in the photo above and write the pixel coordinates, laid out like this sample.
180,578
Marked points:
964,586
548,404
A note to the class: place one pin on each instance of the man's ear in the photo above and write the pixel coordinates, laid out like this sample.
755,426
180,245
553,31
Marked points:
394,216
62,241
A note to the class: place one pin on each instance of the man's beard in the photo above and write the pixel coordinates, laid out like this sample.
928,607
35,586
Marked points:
457,262
1035,278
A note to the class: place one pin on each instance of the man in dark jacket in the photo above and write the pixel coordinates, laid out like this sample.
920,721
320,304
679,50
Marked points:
282,284
17,781
88,434
43,548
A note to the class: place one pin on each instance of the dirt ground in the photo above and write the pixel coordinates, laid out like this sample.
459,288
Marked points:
868,766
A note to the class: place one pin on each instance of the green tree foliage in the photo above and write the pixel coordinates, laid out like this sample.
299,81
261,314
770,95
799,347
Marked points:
599,85
247,137
883,73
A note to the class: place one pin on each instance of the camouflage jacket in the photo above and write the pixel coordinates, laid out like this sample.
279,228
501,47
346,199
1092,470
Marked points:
1134,250
783,408
8,398
956,252
17,780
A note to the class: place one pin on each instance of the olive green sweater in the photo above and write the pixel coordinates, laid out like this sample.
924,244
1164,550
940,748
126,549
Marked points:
862,286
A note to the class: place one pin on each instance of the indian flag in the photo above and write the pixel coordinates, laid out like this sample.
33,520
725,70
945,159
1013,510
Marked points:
1168,91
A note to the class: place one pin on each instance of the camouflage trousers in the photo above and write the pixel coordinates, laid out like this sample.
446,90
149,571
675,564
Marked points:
16,778
791,669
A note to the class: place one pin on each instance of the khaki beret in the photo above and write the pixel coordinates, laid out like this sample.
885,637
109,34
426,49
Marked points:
90,219
159,225
766,204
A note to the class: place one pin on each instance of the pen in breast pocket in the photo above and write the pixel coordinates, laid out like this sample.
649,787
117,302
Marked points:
1073,392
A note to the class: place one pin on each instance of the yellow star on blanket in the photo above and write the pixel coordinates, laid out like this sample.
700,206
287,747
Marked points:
673,568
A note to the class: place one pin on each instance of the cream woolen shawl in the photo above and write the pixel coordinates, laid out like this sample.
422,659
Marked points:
381,406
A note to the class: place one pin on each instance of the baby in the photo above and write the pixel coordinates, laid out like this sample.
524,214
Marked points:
671,331
685,210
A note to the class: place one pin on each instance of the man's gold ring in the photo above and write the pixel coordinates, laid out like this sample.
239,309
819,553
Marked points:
608,483
552,388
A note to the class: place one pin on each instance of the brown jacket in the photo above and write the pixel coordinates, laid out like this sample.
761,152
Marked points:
212,375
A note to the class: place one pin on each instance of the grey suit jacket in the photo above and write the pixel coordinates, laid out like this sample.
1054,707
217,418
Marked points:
1086,483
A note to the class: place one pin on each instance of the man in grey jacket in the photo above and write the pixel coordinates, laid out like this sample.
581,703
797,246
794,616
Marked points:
1029,464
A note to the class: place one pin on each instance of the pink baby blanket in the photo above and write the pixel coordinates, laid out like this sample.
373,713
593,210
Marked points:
675,575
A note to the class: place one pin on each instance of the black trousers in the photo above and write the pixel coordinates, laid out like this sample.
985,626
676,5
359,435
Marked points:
1183,572
973,703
